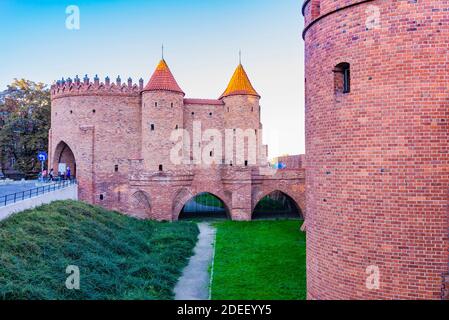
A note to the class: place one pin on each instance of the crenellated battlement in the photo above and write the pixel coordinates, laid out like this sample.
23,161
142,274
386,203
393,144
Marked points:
77,87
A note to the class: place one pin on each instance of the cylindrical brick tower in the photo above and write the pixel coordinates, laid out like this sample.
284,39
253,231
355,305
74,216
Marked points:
95,128
377,148
162,113
242,112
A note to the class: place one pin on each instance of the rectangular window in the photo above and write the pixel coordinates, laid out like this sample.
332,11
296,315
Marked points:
342,78
346,81
116,168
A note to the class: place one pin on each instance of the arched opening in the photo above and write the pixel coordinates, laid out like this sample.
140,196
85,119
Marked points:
63,161
277,205
204,206
141,203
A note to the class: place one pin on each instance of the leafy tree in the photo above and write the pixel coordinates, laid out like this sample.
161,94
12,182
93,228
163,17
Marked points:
24,124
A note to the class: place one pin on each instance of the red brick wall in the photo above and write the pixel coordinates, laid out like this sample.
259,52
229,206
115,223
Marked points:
168,113
99,140
292,162
210,117
288,182
242,112
377,158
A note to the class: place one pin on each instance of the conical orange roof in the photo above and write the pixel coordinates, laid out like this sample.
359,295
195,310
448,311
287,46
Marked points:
163,80
239,84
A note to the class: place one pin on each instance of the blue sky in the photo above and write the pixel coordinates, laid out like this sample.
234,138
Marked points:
201,39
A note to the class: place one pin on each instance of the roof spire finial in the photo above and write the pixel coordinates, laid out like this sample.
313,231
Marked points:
162,51
240,56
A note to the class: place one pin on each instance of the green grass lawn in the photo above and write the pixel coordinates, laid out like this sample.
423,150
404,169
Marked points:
259,260
119,257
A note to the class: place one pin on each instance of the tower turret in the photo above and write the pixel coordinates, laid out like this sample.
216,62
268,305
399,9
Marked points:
242,115
162,112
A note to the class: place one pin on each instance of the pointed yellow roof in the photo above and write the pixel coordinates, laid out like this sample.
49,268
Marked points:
239,84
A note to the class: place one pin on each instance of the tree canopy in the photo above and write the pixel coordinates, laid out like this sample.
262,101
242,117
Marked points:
24,124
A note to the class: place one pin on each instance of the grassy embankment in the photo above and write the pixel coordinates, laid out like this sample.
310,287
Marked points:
118,257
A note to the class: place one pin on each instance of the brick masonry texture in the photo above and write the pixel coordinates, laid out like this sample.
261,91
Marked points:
292,162
115,136
377,158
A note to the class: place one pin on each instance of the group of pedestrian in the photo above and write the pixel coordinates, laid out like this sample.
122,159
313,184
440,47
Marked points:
61,175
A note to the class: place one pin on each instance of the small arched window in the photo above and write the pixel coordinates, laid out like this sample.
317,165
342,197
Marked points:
342,78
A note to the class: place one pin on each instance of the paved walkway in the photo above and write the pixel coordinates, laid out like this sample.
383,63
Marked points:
195,279
10,188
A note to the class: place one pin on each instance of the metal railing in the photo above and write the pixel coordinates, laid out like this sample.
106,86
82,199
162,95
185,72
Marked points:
27,194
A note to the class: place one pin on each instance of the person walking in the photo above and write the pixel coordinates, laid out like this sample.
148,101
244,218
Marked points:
50,175
67,173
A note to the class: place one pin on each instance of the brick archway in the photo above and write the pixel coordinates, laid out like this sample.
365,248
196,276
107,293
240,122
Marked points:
184,195
64,154
141,204
297,201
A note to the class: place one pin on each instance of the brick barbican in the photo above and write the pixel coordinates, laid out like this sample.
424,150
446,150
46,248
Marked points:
116,138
